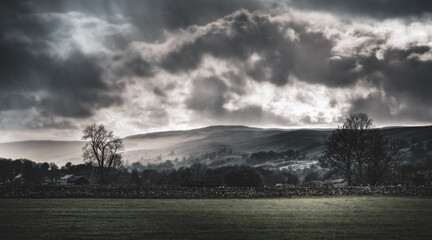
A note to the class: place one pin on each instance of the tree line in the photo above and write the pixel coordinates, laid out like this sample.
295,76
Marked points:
195,175
356,152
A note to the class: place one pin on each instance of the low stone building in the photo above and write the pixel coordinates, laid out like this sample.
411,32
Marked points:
18,179
72,179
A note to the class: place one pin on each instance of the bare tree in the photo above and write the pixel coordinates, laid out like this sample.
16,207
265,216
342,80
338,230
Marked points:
359,152
103,149
360,130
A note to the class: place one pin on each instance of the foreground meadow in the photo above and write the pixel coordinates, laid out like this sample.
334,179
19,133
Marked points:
347,217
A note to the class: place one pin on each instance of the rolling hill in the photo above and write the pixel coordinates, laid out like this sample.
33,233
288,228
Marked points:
158,147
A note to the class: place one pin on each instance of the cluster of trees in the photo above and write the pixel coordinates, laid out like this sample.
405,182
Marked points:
260,157
358,152
136,174
239,176
33,173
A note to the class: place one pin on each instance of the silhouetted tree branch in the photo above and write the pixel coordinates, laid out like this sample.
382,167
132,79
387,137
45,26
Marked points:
103,149
360,153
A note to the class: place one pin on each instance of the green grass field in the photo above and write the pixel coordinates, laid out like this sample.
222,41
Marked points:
294,218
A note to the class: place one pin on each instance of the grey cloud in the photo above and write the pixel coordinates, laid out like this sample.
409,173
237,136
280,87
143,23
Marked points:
31,119
379,9
159,92
399,74
131,64
319,118
31,77
76,86
163,90
379,108
72,87
209,95
254,114
148,117
170,86
407,75
152,17
402,77
245,33
14,101
237,81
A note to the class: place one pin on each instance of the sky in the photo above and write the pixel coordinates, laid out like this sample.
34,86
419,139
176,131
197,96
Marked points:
144,66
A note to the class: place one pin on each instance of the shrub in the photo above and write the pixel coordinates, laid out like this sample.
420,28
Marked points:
243,177
313,176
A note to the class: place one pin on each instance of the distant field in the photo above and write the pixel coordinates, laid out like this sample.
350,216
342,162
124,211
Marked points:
361,217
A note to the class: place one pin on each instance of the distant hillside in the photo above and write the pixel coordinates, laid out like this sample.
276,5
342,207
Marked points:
59,152
410,134
161,146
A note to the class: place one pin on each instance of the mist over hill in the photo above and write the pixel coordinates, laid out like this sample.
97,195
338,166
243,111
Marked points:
214,146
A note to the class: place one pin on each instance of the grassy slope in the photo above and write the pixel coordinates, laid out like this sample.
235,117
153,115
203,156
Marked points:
203,140
297,218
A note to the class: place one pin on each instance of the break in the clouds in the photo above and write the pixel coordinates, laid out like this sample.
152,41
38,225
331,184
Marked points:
141,66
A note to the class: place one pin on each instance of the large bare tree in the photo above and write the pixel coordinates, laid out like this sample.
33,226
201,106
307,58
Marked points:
359,152
103,149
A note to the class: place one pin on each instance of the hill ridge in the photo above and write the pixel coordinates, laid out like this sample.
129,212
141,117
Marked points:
168,145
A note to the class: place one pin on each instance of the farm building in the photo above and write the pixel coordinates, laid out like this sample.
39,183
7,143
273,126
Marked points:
72,179
18,179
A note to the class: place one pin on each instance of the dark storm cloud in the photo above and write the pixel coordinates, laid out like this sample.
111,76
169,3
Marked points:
152,17
244,34
383,110
71,87
405,80
32,77
307,55
368,8
75,86
47,87
408,75
131,64
14,101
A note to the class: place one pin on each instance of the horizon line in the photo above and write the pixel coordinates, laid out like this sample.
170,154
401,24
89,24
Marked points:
219,125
